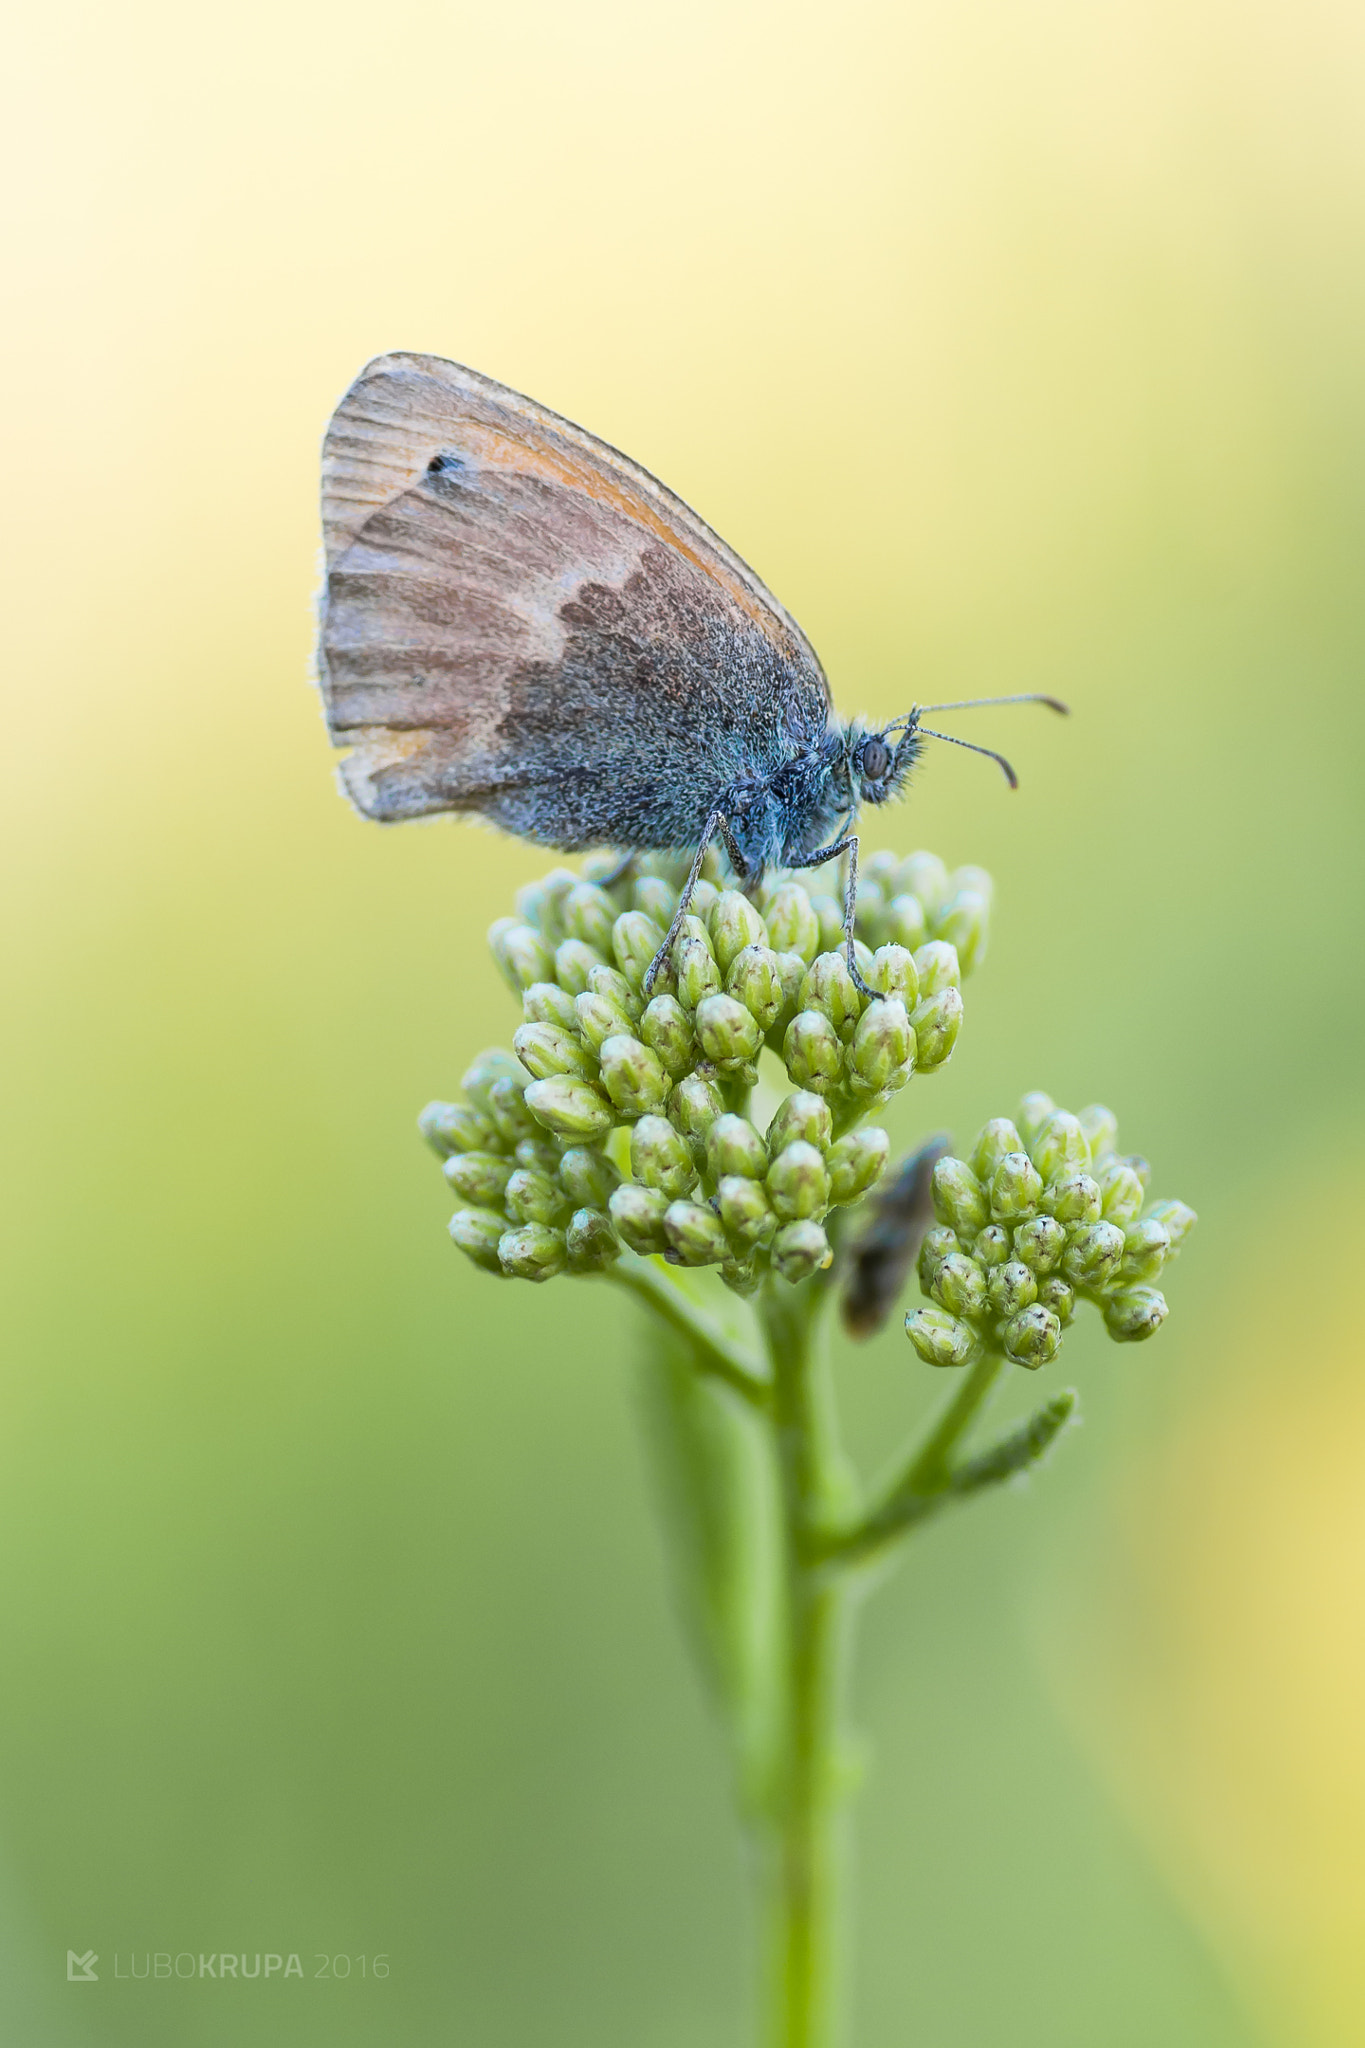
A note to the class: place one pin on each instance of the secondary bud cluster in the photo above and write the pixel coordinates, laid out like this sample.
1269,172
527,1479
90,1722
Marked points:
652,1093
1045,1212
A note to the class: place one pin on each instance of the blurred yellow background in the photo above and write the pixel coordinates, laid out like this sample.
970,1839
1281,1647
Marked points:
1017,347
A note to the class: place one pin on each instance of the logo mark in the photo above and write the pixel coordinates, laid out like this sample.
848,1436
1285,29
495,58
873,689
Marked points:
81,1969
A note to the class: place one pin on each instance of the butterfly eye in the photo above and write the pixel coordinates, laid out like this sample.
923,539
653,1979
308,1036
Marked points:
874,758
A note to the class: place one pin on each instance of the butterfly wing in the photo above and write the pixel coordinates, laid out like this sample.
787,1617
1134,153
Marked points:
521,622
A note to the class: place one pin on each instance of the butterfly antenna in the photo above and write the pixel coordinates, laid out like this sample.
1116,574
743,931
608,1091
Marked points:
972,748
974,703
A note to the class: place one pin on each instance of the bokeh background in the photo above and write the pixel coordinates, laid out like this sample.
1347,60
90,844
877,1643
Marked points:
1018,346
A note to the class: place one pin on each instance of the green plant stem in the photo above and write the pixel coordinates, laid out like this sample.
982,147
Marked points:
716,1354
799,1852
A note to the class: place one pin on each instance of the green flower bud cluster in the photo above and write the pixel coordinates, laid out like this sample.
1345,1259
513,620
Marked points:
603,1075
1044,1213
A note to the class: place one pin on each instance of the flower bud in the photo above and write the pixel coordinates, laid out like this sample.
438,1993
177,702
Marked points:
696,1235
905,922
544,1049
476,1232
741,1275
1121,1193
1034,1111
1039,1243
606,981
829,988
479,1178
1061,1299
638,1214
734,924
960,1285
661,1158
726,1033
656,898
791,972
870,910
454,1127
804,1116
937,1020
792,925
667,1031
937,1244
893,973
589,914
571,1109
959,1198
1091,1258
882,1055
488,1068
693,1107
532,1197
1073,1199
590,1242
545,1002
1101,1129
632,1075
938,967
812,1053
587,1176
992,1247
1134,1314
1177,1219
697,972
538,1154
539,904
1060,1147
755,979
574,962
856,1163
993,1141
829,912
745,1209
734,1146
925,876
965,923
1011,1288
1032,1338
798,1185
521,953
1146,1247
635,939
941,1339
533,1252
599,1019
800,1249
507,1110
1016,1188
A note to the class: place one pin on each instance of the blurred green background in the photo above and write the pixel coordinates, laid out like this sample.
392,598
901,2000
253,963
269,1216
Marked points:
1017,347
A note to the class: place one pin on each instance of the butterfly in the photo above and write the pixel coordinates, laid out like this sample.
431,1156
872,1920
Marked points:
522,623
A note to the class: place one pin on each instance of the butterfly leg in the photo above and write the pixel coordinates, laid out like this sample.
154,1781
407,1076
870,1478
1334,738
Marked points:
717,822
847,844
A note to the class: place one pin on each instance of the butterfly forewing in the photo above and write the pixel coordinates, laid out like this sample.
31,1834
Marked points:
521,622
